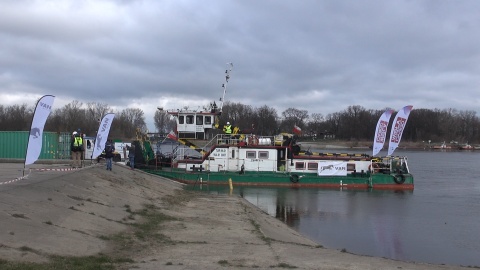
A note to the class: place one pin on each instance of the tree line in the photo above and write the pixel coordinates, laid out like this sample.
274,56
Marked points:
73,116
355,123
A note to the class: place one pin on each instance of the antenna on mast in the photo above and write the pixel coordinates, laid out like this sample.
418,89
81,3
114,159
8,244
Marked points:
227,77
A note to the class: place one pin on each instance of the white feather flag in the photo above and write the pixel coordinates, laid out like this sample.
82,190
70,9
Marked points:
42,111
397,128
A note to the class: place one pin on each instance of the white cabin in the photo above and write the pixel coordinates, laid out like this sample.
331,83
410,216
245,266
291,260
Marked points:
193,124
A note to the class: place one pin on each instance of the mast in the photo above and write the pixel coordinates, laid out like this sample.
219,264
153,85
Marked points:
227,77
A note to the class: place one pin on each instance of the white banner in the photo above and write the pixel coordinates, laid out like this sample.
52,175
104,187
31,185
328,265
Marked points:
397,128
381,131
332,168
102,134
42,111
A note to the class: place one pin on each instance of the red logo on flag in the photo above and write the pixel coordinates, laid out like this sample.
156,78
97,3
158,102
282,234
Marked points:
382,132
398,129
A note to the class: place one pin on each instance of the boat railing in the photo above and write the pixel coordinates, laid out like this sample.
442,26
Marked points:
183,152
244,139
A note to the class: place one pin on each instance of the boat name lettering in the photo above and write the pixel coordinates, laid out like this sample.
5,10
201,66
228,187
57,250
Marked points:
220,153
330,167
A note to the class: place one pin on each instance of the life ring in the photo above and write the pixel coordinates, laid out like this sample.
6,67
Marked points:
376,167
294,178
399,178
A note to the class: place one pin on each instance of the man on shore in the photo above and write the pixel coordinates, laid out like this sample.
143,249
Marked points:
109,149
76,148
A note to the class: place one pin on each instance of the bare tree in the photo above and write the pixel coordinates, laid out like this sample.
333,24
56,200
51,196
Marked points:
17,117
73,115
3,119
351,119
315,123
55,122
130,120
265,121
163,121
292,117
93,115
239,115
467,125
333,124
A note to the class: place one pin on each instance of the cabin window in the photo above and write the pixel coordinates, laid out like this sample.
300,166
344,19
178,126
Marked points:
350,167
189,119
181,119
233,153
208,120
312,166
251,154
263,154
199,120
299,165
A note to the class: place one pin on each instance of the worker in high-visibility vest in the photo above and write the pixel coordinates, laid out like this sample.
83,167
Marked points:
227,128
228,132
77,149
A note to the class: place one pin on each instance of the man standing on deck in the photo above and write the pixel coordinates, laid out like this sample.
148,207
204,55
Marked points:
228,131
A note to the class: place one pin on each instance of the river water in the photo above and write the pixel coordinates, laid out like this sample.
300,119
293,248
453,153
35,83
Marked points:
438,222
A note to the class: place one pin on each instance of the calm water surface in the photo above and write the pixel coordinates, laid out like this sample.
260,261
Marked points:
438,222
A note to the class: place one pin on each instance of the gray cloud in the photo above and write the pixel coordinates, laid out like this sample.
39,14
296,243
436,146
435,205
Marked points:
321,56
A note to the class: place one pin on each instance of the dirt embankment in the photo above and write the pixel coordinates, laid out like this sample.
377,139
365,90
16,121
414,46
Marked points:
124,219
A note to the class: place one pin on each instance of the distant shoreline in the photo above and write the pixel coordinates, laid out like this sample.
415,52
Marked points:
360,145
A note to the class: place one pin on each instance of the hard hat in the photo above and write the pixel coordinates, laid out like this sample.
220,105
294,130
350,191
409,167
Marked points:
228,123
74,133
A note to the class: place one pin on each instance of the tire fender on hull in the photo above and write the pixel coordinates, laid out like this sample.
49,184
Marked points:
399,179
294,178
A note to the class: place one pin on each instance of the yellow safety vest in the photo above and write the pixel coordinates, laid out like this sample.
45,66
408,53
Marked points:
228,129
78,141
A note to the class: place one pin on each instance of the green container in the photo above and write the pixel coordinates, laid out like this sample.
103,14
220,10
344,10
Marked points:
13,144
64,141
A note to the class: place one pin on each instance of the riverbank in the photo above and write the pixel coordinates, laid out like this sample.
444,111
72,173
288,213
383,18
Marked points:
56,218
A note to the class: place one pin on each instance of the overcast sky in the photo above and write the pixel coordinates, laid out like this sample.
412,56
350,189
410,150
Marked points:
319,56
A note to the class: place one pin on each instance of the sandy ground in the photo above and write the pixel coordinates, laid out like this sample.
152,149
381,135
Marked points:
78,213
